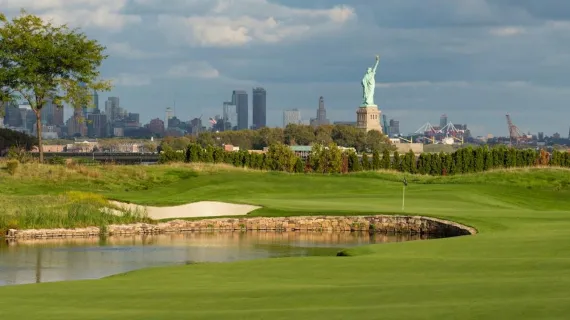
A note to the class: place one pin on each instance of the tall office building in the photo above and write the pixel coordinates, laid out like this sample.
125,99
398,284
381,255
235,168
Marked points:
12,115
229,116
95,105
385,125
442,121
52,115
394,127
97,125
240,100
28,118
169,114
321,118
292,116
259,104
112,109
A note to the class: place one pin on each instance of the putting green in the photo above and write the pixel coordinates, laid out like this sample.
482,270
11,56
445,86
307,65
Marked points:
516,267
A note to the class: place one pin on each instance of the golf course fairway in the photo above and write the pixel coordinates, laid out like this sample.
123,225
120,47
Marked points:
516,267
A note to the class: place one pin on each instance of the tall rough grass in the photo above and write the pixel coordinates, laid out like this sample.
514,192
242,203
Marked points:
72,210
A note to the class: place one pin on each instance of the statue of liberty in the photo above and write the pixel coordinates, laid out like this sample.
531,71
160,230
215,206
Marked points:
368,85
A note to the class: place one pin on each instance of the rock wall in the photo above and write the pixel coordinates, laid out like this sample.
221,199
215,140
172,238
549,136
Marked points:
379,223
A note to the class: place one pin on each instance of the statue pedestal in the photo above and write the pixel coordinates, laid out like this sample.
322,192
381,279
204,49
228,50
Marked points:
368,118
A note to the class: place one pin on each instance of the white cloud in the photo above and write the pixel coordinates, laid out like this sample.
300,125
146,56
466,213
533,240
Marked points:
413,84
131,80
101,14
125,50
193,69
236,23
507,31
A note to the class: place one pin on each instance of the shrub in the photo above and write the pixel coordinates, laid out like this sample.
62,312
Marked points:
299,166
19,154
12,166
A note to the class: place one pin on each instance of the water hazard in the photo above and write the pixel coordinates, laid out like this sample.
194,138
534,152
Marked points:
34,261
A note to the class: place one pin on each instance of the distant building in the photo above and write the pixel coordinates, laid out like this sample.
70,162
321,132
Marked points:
346,123
169,114
394,127
97,125
442,121
12,115
385,125
259,105
76,124
229,116
321,118
112,109
291,116
156,126
240,100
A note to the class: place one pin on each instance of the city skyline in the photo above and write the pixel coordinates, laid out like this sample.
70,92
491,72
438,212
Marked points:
472,59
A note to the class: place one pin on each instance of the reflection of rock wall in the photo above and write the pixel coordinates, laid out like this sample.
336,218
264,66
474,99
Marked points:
381,224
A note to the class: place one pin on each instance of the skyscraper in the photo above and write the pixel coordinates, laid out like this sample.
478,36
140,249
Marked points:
96,126
229,116
385,126
52,115
95,101
169,114
259,105
394,127
12,115
112,109
442,121
291,116
321,118
239,99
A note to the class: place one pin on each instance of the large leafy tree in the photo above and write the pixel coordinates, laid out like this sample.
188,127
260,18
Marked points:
41,62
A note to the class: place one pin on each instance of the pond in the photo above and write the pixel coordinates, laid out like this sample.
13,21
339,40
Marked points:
34,261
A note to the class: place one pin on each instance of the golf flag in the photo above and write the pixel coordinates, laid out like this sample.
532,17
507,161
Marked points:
405,182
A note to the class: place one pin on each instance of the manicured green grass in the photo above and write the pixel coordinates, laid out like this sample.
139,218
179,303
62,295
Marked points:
516,267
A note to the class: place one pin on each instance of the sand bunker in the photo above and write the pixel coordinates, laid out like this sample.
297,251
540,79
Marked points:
190,210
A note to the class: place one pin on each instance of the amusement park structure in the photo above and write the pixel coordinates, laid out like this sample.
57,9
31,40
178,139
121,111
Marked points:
448,134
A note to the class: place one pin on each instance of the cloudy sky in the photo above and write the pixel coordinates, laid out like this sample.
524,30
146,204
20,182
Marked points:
474,60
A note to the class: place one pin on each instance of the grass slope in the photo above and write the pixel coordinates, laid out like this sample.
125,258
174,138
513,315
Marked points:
515,268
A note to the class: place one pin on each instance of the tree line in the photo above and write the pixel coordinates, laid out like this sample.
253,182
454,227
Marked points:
10,138
329,158
292,134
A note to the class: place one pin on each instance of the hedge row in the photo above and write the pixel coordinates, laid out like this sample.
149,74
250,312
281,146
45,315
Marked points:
330,159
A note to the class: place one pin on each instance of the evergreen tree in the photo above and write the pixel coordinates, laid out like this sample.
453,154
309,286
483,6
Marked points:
218,155
421,164
386,159
479,159
488,161
396,165
299,166
353,162
435,164
209,154
365,162
376,162
427,163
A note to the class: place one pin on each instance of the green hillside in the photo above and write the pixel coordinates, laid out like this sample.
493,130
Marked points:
516,267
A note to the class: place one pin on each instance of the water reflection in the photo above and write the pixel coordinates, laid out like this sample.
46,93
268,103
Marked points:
34,261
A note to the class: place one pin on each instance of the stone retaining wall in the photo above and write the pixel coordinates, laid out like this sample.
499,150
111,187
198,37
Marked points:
379,223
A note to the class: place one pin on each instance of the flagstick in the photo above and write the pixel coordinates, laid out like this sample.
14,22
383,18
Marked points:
403,197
